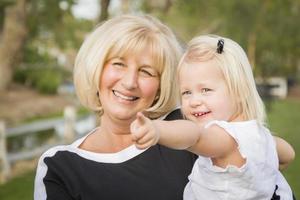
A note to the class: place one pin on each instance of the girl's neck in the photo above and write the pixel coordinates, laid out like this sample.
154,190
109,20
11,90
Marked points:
237,118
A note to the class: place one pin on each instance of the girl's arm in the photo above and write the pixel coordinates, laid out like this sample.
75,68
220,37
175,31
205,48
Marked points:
285,151
182,134
176,134
212,142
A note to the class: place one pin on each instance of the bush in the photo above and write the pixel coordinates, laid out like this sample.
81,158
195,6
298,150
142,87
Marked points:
45,79
49,82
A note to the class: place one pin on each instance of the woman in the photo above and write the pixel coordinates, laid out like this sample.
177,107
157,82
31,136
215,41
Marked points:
125,66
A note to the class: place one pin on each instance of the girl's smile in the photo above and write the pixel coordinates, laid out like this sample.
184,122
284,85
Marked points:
204,93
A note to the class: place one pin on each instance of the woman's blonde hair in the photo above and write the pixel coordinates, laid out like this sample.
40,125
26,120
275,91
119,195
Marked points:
236,69
120,36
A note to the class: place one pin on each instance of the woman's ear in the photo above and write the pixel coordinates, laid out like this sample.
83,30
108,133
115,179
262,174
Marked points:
157,95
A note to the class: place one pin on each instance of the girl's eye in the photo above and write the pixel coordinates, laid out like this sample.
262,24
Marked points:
185,93
204,90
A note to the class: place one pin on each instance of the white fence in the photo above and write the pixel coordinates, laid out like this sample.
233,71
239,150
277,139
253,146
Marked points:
277,86
65,129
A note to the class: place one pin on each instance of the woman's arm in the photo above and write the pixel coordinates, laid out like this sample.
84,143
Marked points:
285,151
47,184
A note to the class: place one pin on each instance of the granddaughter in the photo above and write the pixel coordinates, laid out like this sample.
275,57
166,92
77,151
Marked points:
238,156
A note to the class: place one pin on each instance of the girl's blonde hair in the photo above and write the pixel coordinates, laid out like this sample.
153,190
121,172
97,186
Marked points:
120,36
236,70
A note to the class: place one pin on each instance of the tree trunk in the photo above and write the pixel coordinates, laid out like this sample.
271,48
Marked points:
104,10
252,49
125,5
12,40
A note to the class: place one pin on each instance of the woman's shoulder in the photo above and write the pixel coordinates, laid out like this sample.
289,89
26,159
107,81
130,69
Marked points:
173,115
51,152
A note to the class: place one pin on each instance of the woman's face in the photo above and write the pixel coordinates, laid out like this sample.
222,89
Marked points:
128,85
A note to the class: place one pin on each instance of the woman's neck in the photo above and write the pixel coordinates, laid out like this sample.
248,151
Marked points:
116,132
111,137
115,126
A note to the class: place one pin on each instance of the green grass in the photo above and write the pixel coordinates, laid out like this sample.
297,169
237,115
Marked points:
18,188
81,111
283,119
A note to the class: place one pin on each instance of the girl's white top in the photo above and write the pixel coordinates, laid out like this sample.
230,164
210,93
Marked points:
256,179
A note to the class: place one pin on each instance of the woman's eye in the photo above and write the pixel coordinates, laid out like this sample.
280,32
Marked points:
147,72
185,93
118,64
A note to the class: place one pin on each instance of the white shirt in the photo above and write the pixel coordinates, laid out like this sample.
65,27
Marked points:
255,180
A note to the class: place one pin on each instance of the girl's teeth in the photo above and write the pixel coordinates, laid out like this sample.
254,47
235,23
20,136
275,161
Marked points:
200,114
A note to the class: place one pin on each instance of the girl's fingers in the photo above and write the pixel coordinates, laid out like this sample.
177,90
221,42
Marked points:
144,146
145,138
141,119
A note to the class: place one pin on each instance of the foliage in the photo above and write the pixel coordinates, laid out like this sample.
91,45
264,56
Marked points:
53,32
267,30
49,21
45,79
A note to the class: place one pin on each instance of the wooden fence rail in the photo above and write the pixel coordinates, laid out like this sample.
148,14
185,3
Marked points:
65,128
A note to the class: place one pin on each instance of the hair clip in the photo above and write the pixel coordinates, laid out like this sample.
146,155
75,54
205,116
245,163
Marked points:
220,46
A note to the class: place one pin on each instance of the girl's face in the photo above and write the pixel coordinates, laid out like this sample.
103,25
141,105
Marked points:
204,93
128,85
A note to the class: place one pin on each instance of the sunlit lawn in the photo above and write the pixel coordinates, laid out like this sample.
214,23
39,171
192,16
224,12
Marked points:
284,119
18,188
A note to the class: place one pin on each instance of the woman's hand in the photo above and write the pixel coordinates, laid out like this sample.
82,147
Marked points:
143,132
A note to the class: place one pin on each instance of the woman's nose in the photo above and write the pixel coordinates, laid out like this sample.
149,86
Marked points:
130,79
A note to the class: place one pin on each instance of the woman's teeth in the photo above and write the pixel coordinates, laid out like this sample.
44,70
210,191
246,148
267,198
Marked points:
128,98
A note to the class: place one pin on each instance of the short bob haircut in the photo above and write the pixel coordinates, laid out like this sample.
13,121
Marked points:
118,37
236,70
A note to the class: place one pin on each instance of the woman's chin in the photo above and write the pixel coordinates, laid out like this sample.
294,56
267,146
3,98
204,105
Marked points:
124,114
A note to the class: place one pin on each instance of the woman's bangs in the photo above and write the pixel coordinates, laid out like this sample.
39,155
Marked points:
137,44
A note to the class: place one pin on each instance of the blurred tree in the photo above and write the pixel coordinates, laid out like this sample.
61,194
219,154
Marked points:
104,4
13,35
34,28
267,29
158,6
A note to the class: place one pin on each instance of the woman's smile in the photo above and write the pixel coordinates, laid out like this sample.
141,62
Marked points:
124,96
128,85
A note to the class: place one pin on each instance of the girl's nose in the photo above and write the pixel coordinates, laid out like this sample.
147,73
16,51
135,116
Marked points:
130,79
195,101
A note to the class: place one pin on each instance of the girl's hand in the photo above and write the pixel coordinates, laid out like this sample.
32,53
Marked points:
143,132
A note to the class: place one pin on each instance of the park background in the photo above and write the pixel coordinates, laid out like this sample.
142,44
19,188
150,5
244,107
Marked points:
39,40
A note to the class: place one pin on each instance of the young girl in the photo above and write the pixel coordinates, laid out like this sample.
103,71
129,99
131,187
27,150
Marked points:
237,153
